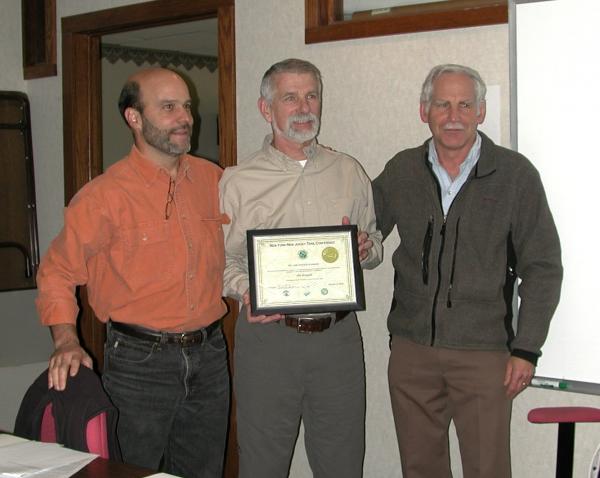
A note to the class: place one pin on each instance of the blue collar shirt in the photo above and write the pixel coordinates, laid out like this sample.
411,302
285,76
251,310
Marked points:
449,187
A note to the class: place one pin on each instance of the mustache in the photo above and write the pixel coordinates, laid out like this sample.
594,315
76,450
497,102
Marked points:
186,127
303,118
454,126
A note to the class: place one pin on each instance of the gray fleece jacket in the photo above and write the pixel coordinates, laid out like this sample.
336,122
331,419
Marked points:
454,277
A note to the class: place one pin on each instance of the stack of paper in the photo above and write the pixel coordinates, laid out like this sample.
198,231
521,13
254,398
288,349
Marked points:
21,458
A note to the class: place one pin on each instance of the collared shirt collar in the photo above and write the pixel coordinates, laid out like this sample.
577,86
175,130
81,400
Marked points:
271,151
466,165
150,172
449,187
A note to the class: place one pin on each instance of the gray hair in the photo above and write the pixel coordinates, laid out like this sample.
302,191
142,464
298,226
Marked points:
437,71
291,65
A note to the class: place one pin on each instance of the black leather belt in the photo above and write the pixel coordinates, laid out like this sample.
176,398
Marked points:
183,338
315,323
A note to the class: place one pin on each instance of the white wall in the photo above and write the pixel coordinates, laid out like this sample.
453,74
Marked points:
370,111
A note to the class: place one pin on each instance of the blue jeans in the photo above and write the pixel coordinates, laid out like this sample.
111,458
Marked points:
173,402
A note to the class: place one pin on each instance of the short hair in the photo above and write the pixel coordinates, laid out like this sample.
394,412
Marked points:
437,71
291,65
130,98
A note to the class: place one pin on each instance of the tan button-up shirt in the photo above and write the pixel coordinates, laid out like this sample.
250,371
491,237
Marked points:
270,190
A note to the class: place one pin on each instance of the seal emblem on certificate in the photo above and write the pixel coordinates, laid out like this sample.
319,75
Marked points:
305,270
330,254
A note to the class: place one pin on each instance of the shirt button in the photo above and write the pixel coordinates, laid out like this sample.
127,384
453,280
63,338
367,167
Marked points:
189,245
144,237
190,276
192,307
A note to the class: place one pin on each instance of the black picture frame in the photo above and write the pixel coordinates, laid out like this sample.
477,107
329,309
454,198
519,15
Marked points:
305,306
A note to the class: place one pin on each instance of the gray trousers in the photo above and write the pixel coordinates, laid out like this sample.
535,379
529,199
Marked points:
282,376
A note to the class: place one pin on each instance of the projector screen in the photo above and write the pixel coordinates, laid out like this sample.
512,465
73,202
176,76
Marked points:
556,54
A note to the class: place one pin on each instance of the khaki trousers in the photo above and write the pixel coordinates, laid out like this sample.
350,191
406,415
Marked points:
429,386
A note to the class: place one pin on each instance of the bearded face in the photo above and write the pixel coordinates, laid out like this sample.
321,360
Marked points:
172,141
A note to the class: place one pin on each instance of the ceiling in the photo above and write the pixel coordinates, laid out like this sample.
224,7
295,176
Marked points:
198,37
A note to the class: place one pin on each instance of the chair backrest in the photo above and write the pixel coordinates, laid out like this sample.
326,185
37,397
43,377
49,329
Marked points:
96,432
96,435
81,417
48,428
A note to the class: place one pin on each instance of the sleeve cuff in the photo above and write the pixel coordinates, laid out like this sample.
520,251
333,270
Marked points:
525,355
57,312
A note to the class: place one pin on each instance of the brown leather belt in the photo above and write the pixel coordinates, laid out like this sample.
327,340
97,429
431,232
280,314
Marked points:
183,338
317,323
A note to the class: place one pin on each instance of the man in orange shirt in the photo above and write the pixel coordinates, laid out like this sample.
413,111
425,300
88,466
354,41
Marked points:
146,238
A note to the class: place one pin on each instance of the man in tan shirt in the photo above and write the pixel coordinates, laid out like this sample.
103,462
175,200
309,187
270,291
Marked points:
281,374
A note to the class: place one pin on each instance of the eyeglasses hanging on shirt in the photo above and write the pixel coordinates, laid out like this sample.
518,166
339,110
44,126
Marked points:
170,198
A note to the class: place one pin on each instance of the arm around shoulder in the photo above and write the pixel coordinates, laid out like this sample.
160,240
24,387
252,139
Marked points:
235,277
367,223
382,190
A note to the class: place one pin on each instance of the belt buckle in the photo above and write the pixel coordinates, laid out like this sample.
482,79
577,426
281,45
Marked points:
304,320
186,339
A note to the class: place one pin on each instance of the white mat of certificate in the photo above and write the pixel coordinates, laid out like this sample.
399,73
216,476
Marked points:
304,269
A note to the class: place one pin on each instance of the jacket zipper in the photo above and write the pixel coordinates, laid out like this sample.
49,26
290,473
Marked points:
442,244
443,234
441,252
426,251
439,280
449,297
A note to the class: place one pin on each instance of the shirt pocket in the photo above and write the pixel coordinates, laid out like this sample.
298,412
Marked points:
148,255
208,233
212,254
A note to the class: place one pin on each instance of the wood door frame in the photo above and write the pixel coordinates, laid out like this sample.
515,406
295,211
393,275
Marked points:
82,117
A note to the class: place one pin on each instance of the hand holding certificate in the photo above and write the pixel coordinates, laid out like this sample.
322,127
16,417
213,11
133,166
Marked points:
305,270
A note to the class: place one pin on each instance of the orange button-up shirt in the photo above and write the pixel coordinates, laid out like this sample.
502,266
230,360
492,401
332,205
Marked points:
139,266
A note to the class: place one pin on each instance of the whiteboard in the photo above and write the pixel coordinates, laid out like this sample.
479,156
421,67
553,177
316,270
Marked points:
557,59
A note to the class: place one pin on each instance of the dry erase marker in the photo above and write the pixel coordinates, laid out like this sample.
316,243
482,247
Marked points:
549,383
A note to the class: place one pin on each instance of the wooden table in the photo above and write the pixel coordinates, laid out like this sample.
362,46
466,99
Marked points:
101,468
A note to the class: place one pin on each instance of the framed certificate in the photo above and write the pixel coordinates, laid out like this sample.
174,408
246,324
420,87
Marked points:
305,270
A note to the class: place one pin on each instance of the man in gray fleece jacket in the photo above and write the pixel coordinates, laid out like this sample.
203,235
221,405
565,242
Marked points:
472,218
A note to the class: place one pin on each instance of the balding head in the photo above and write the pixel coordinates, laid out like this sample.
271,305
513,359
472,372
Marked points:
156,105
142,81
